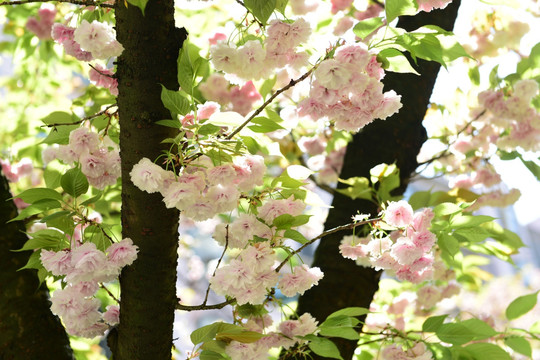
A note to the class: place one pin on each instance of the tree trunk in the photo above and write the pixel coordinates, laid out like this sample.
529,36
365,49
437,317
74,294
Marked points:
148,287
397,139
28,328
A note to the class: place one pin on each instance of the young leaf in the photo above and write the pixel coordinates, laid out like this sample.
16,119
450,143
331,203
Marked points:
59,117
519,344
323,347
141,4
366,27
395,8
295,235
174,102
398,63
74,182
486,351
261,9
170,123
350,311
433,323
521,306
185,69
30,196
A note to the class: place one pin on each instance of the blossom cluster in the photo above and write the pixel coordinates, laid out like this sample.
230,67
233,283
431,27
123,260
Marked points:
42,25
248,277
347,89
202,190
83,267
289,333
99,159
252,61
103,77
239,98
95,40
407,252
418,352
14,172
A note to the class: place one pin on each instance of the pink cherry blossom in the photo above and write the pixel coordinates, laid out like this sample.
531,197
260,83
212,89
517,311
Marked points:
147,176
301,279
398,214
122,253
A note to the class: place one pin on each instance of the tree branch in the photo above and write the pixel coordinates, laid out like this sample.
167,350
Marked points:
102,112
75,2
204,307
270,99
328,232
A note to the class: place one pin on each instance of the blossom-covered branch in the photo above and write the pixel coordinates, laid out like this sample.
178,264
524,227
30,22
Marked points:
326,233
102,112
269,101
75,2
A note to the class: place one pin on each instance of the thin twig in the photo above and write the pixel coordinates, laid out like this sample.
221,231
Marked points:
109,292
249,11
378,3
102,73
270,99
75,2
326,233
104,111
204,307
219,261
447,150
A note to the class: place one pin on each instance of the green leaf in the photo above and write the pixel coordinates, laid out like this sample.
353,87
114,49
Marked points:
486,351
93,199
170,123
446,209
74,182
366,27
284,221
448,244
208,332
350,311
398,63
261,9
280,5
95,235
465,221
208,129
60,135
174,102
340,326
323,347
420,199
34,261
519,345
37,208
44,239
472,234
210,355
532,166
243,336
141,4
52,178
359,188
433,323
30,196
474,75
295,235
214,346
58,214
59,117
264,125
185,69
479,328
521,306
455,334
267,86
395,8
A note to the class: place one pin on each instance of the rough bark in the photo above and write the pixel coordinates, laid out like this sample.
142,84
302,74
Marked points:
28,329
398,139
148,287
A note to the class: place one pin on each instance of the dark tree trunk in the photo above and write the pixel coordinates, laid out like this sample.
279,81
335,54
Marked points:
397,139
148,287
28,329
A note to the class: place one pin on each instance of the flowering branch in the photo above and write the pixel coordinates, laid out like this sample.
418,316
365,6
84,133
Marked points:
75,2
102,73
102,112
326,233
270,99
203,306
447,150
